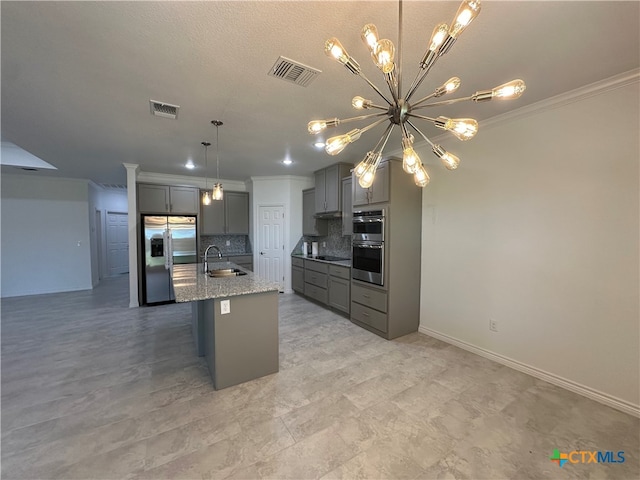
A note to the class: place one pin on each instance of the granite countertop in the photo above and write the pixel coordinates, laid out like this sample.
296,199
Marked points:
342,263
190,284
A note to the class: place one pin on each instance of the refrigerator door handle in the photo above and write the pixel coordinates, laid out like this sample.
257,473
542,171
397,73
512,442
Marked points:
166,241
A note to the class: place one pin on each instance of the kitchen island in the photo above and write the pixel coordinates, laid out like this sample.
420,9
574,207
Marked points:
234,321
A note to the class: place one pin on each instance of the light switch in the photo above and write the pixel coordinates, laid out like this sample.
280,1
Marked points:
225,306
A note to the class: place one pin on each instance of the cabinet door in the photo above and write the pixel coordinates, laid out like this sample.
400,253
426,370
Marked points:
380,188
311,226
183,200
153,198
347,209
339,294
297,279
320,197
212,218
237,212
332,189
360,195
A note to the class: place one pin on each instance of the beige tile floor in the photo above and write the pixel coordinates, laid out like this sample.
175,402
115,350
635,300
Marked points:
93,389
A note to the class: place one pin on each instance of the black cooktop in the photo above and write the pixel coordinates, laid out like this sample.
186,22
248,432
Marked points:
329,258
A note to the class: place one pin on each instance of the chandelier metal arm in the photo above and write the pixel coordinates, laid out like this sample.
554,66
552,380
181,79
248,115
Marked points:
392,83
421,75
443,102
377,90
385,137
374,124
363,117
421,134
414,115
424,99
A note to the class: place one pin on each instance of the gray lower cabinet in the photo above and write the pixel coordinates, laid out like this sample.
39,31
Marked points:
323,282
369,306
245,261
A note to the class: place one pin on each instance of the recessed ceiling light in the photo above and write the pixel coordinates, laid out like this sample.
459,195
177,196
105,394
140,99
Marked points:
319,144
287,161
190,164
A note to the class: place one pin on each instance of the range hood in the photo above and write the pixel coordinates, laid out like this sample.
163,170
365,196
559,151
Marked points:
328,215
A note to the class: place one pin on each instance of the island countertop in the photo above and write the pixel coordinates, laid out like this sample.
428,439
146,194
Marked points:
190,284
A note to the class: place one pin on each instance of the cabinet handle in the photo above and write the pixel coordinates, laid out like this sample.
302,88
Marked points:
365,314
365,296
166,206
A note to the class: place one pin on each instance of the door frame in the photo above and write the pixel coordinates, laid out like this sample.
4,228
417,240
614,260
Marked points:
285,240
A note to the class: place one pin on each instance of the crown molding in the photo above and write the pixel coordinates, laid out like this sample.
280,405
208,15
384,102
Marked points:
274,178
164,179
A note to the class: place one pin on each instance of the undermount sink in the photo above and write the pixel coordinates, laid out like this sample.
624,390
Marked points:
226,272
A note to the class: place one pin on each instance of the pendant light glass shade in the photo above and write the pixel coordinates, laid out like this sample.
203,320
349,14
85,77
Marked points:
206,196
217,191
217,194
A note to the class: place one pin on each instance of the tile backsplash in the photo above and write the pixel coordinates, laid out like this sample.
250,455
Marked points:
238,244
336,244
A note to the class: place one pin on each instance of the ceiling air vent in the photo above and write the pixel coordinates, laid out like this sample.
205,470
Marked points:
293,72
166,110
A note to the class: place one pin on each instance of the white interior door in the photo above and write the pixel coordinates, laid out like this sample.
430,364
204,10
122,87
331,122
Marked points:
271,243
117,243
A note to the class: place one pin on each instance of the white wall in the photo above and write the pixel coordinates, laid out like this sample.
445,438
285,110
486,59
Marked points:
538,229
287,191
104,200
45,235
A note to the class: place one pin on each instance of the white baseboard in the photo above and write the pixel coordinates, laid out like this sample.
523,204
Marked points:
606,399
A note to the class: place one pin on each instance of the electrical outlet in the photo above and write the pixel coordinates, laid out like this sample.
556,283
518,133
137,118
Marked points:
324,244
228,243
493,325
225,307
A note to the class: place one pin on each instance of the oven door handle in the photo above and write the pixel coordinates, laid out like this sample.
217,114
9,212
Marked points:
362,245
367,220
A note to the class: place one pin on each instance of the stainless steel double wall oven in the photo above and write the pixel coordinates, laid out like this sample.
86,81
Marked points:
368,246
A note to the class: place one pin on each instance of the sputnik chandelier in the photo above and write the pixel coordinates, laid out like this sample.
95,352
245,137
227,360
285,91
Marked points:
398,109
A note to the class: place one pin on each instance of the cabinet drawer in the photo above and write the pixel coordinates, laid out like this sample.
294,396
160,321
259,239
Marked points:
297,262
369,297
373,318
316,266
315,292
315,278
341,272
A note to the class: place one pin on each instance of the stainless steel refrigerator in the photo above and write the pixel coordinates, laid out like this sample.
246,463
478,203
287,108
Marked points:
167,240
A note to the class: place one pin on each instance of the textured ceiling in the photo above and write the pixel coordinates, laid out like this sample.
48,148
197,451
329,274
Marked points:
77,77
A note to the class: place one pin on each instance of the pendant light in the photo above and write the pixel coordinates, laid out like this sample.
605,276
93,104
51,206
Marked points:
206,196
217,188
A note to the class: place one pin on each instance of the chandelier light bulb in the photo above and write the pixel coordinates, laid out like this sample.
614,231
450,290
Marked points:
512,89
334,49
217,192
468,10
369,36
438,36
360,103
317,126
206,198
449,160
420,176
367,177
410,159
463,128
384,55
336,144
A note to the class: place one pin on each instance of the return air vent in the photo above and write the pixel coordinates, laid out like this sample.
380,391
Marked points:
166,110
294,72
113,186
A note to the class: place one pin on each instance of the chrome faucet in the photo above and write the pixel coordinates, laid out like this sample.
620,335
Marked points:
205,264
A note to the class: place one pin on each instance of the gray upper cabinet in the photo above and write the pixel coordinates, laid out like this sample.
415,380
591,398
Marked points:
230,216
328,187
377,193
347,209
311,226
167,199
237,213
